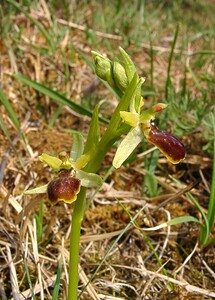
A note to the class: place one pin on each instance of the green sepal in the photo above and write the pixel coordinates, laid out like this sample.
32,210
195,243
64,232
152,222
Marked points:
51,161
127,146
129,65
119,73
39,190
89,179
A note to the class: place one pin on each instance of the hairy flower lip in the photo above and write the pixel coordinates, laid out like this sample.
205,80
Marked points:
64,188
167,143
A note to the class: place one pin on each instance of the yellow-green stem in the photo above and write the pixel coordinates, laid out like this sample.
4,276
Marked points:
77,218
111,134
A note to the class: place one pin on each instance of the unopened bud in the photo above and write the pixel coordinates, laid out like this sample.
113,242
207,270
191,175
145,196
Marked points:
103,68
120,76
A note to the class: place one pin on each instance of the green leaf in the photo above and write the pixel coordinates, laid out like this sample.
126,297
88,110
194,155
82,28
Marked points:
29,278
127,146
211,206
204,232
9,108
38,190
39,222
183,219
150,184
94,132
77,146
5,131
54,95
89,179
57,282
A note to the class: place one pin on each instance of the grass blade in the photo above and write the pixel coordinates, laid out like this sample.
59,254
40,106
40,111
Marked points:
204,231
29,278
46,35
4,129
183,219
211,207
54,95
57,282
9,108
39,222
168,81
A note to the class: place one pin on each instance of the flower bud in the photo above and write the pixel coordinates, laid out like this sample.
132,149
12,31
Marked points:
103,68
120,76
167,143
64,188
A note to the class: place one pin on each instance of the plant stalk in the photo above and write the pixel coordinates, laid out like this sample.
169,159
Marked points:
77,218
111,134
78,214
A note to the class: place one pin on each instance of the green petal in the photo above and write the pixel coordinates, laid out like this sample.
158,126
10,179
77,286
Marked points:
51,161
127,146
39,190
89,179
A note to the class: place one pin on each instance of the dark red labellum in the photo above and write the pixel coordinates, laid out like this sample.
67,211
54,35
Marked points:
64,188
167,143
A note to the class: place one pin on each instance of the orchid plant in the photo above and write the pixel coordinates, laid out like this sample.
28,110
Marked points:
77,171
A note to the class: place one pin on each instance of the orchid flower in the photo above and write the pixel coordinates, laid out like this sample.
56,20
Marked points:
142,125
66,186
119,75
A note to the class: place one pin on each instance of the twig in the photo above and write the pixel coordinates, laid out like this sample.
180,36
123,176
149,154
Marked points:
179,194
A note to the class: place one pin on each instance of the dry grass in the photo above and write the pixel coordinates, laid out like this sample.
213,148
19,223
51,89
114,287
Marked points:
130,271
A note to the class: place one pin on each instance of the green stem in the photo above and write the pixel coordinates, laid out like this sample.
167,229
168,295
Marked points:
77,218
78,215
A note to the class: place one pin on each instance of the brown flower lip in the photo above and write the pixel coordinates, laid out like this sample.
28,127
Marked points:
167,143
64,188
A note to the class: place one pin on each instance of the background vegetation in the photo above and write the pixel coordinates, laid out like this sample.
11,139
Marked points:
48,90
